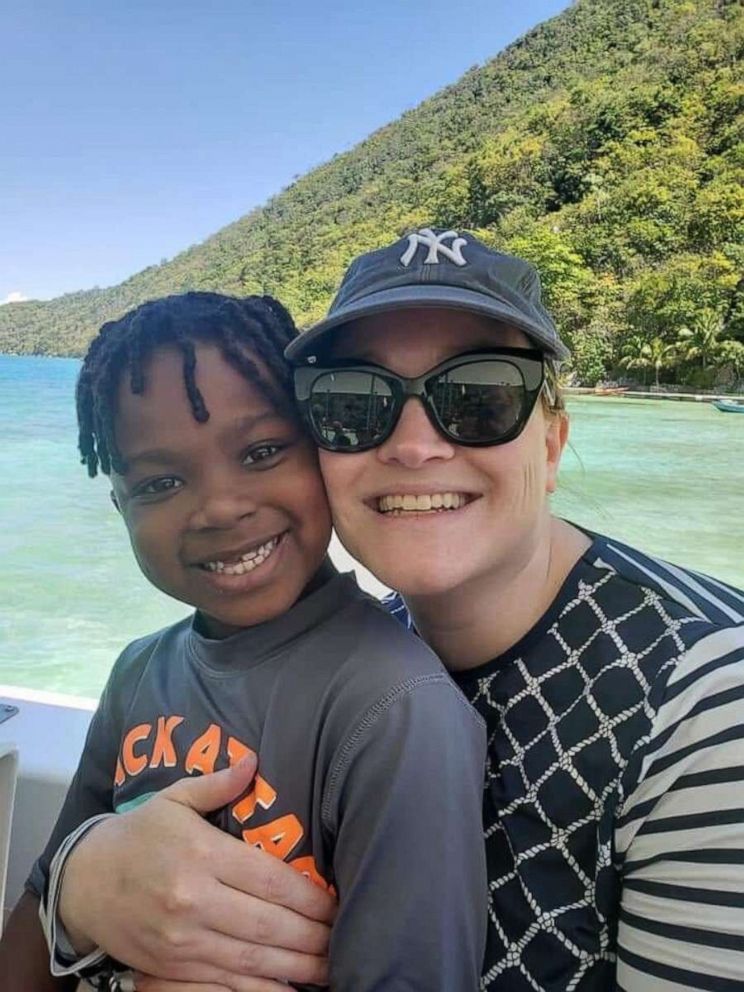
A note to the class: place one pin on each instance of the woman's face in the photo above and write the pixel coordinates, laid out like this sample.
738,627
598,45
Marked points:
500,509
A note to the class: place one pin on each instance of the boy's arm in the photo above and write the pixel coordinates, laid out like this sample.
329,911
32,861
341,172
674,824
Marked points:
404,803
91,790
24,957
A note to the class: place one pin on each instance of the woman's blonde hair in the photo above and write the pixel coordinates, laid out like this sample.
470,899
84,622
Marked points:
553,400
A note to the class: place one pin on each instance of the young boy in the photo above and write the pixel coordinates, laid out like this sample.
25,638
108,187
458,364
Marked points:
370,759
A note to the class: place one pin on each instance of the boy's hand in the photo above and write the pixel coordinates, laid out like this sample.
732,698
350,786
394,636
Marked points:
176,898
24,957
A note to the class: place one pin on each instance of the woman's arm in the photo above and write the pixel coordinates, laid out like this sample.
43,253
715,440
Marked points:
681,833
185,901
24,957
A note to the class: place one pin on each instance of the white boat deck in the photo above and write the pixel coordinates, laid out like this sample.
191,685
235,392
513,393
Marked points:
48,733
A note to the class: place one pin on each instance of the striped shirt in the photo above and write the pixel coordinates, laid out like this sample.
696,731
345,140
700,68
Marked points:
614,794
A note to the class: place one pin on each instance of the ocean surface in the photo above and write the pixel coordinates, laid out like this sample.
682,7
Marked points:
667,477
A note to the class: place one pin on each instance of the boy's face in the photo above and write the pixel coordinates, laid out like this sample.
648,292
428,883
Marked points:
229,516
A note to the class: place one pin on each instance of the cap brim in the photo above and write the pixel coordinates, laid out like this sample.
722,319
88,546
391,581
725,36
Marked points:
402,297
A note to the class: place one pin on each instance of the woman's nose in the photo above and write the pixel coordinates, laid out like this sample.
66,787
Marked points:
415,441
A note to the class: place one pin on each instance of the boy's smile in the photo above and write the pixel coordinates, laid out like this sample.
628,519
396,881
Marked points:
230,515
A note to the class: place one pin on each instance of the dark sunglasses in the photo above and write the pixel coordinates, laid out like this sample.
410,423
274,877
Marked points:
477,398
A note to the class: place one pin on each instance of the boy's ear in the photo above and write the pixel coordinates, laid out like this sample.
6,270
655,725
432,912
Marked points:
115,501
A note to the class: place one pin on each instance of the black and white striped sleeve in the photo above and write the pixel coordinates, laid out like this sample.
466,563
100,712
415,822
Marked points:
680,833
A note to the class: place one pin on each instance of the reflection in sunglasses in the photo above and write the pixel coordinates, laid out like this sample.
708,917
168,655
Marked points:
474,399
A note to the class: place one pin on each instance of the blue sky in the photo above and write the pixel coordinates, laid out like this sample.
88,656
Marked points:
130,130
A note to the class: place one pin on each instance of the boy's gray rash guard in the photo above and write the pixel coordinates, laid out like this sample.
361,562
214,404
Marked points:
371,773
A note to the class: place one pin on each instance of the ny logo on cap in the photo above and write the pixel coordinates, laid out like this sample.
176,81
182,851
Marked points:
435,244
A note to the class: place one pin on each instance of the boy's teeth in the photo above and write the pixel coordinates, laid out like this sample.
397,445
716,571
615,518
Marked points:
246,563
420,504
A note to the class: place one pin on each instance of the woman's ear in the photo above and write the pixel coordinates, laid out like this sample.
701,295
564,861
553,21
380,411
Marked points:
556,436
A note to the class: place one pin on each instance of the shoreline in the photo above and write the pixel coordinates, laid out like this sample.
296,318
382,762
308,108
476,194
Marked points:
634,394
628,393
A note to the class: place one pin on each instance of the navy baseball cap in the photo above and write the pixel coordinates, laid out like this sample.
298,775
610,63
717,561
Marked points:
434,268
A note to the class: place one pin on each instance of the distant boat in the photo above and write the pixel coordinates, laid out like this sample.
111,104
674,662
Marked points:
729,406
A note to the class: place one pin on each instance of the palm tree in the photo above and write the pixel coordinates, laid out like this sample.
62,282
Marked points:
632,354
640,353
732,354
704,340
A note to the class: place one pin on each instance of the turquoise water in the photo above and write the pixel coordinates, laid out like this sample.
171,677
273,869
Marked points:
668,477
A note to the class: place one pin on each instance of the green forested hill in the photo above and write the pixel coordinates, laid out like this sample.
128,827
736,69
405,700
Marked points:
607,146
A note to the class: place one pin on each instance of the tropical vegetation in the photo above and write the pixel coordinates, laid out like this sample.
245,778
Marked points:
607,146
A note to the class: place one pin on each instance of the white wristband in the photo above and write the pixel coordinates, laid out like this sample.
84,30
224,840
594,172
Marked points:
63,958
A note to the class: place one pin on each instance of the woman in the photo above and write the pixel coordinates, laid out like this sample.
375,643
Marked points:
612,684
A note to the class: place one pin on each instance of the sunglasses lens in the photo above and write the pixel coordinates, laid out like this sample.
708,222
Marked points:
479,401
350,409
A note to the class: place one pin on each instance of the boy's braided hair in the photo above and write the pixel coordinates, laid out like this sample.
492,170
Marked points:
239,326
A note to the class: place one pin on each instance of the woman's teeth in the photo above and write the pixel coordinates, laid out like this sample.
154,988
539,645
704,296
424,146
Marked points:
421,504
246,562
